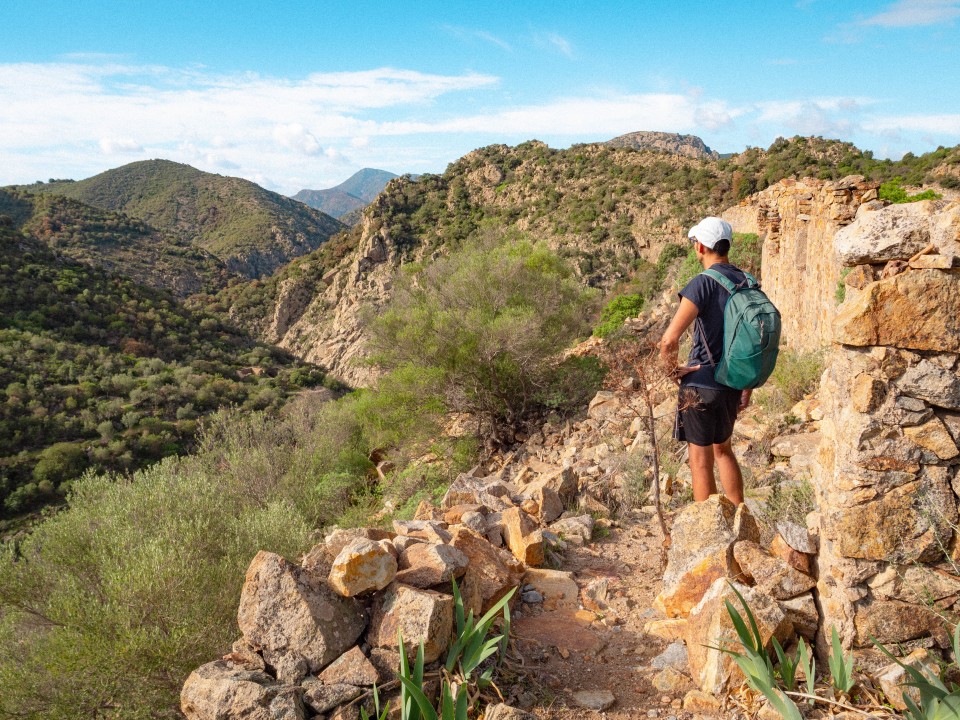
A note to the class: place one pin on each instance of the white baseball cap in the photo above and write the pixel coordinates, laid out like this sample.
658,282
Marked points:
710,231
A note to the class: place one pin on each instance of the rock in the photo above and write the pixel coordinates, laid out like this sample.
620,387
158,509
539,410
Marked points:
386,661
701,551
558,587
867,393
523,537
501,711
674,656
402,542
215,692
531,597
933,262
671,680
243,657
454,515
351,668
598,700
578,530
338,538
797,560
549,504
891,621
363,566
418,615
771,575
929,382
715,671
796,444
426,564
594,595
697,701
318,561
323,697
915,584
603,405
918,310
494,571
933,436
290,668
428,511
802,612
797,537
410,527
282,611
669,629
563,482
879,237
893,678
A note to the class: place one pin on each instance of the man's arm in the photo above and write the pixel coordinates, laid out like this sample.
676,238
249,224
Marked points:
670,342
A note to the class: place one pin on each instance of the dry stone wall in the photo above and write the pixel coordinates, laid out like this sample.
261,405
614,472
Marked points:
797,221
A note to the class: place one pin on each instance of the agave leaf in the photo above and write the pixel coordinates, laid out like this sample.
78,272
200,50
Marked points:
415,691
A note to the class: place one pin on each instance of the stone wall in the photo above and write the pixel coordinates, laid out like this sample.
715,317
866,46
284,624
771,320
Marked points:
797,221
887,478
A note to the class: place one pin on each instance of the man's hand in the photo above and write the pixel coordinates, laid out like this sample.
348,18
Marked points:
744,400
670,342
681,370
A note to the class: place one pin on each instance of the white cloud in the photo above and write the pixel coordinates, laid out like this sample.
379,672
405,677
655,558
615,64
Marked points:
113,146
907,13
554,41
462,33
296,137
945,124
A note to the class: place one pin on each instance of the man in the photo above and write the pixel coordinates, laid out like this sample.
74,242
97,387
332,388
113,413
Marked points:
707,410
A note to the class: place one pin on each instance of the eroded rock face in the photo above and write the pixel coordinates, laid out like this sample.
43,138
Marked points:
418,615
285,611
701,552
710,624
771,575
494,571
216,691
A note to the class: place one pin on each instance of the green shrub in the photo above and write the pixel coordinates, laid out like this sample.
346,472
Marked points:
486,323
894,193
797,373
616,311
106,607
746,251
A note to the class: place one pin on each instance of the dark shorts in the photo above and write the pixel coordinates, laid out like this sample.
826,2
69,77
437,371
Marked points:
705,416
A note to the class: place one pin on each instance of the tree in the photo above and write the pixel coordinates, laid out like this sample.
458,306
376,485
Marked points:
488,322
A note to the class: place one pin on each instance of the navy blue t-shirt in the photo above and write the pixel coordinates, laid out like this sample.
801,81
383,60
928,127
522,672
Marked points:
710,297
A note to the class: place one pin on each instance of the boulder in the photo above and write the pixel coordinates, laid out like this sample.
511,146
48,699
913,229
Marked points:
802,612
915,584
475,521
598,700
701,551
523,537
876,238
772,575
351,668
217,692
418,615
338,538
557,587
363,566
933,436
797,537
917,310
500,711
931,383
893,679
709,624
284,611
454,515
549,504
427,564
323,697
797,560
577,529
563,482
494,571
891,621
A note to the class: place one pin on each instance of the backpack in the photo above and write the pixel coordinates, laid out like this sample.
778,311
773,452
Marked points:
751,334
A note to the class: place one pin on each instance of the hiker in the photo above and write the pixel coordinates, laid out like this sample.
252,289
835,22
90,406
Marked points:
707,408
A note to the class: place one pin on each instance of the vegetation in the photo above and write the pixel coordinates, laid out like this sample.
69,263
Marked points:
97,371
938,701
483,327
252,229
893,192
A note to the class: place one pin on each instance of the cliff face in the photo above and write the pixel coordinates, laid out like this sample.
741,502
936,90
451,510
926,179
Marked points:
886,480
798,221
687,145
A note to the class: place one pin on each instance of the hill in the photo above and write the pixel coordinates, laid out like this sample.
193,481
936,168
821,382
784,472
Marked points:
687,145
251,230
609,211
97,371
115,242
352,194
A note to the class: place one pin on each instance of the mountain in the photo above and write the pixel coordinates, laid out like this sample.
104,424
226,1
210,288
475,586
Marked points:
354,193
608,211
251,230
687,145
115,242
97,371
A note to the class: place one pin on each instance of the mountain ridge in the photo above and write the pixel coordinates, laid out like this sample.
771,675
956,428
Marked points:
354,193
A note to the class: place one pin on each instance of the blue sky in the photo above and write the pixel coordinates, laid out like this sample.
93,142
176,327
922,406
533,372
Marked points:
301,94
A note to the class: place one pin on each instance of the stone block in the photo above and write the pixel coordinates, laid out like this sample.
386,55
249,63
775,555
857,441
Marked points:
558,587
351,668
523,537
215,691
495,571
418,615
363,566
426,564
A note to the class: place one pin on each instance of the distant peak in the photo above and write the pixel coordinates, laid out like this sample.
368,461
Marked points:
687,145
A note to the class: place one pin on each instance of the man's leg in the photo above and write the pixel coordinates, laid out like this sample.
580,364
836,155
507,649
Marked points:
730,475
700,459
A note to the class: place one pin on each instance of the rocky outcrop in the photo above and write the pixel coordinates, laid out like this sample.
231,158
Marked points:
687,145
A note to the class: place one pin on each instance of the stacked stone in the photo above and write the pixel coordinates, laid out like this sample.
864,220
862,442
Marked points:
887,486
317,635
797,220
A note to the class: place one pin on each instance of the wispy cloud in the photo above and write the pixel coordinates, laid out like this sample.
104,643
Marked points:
908,13
554,41
943,124
463,33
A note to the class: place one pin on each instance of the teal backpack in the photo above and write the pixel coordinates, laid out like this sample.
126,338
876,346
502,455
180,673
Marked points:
751,334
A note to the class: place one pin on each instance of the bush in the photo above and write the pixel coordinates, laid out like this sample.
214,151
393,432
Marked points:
797,373
110,604
894,193
60,462
617,310
486,324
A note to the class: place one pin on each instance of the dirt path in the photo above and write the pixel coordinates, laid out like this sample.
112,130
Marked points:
565,651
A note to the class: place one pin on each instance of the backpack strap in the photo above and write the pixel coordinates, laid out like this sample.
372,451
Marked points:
749,280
